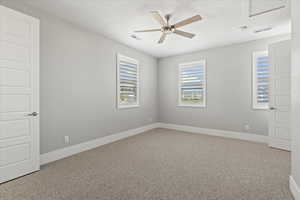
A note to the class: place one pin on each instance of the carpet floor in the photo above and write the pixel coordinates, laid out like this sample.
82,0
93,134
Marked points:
161,164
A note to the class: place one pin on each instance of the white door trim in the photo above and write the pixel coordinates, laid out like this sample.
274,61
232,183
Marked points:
295,189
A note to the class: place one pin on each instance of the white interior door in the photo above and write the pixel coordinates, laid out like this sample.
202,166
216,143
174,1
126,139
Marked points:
19,94
280,95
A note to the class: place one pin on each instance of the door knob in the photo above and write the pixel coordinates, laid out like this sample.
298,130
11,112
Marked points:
272,108
34,114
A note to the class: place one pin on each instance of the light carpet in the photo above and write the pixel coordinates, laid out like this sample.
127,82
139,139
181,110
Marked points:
161,164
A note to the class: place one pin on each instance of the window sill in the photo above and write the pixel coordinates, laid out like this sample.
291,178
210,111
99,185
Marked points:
127,106
191,105
260,109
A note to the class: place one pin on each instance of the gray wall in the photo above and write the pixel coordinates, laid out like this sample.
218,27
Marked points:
296,91
229,94
78,84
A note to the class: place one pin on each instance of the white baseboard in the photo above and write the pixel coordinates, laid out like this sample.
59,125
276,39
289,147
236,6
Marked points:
215,132
71,150
295,189
280,143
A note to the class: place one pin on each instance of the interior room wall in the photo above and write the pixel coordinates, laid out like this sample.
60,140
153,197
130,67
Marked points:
78,83
229,89
296,92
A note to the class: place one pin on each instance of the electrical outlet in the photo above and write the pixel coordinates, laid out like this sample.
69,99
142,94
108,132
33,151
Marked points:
67,139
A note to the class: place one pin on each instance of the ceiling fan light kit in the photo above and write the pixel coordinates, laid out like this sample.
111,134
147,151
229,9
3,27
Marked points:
167,29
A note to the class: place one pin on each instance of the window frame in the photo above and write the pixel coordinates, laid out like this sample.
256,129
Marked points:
180,102
120,58
255,104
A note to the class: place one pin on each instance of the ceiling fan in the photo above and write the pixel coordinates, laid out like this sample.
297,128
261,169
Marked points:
169,29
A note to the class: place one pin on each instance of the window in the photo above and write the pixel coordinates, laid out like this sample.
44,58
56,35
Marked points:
261,80
128,82
192,84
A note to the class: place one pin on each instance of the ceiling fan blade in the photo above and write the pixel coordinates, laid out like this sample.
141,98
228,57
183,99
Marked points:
162,38
149,30
184,34
158,18
188,21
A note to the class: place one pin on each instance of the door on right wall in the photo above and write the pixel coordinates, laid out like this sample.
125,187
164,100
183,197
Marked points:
280,95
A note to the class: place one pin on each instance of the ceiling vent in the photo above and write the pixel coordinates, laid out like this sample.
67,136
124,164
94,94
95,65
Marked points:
243,28
135,37
263,30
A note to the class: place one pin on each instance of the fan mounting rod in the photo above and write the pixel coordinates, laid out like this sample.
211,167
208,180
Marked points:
169,28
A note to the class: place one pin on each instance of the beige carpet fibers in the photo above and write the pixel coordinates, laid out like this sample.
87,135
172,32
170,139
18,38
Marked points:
161,165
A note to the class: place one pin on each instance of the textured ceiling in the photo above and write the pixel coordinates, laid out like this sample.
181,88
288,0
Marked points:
117,19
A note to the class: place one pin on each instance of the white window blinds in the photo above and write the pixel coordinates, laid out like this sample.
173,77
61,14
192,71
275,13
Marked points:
261,80
128,82
192,84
